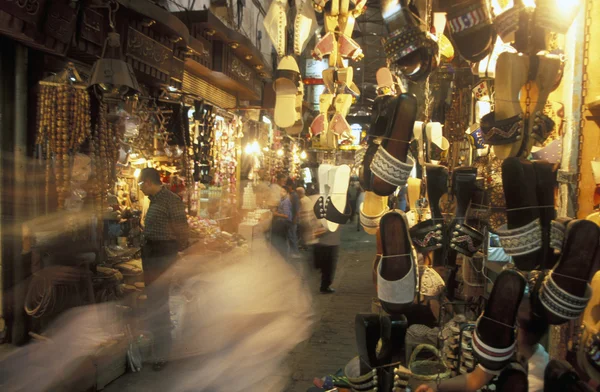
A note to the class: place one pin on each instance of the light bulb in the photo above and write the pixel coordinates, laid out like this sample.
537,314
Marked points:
303,155
280,153
255,147
248,149
136,173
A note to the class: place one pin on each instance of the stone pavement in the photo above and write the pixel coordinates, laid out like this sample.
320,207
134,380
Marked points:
332,344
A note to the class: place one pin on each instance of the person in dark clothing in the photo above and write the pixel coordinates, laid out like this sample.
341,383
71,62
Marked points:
325,254
282,220
293,229
165,233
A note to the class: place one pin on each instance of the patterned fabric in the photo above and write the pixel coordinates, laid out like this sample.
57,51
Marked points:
165,219
401,291
558,228
561,303
507,22
432,283
371,222
427,236
523,240
466,240
542,128
491,353
475,17
499,132
403,42
390,169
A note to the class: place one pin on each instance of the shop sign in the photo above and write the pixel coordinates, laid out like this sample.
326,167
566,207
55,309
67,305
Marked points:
92,27
314,68
60,22
245,75
177,69
29,11
150,52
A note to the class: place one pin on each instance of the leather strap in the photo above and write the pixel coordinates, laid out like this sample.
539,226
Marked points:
294,76
371,222
390,169
523,240
427,236
501,132
401,291
469,19
490,353
558,228
403,42
542,128
324,209
561,303
466,239
508,22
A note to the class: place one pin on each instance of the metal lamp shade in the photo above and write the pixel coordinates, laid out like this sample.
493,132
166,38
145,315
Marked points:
114,76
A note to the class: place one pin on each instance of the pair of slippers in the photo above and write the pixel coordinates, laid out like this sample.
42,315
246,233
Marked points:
332,207
409,46
559,295
507,128
529,194
380,342
289,94
275,23
386,163
443,241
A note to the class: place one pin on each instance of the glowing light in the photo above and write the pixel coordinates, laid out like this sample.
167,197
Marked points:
136,173
567,6
280,153
529,3
172,89
303,155
255,147
266,120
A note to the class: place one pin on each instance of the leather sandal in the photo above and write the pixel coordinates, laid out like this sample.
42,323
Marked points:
391,165
565,290
437,186
504,128
470,26
494,338
327,46
507,23
545,184
408,46
396,276
287,84
349,49
361,370
305,25
521,237
320,123
275,23
462,238
338,124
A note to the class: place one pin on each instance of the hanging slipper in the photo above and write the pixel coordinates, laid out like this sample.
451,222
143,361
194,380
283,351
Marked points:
320,123
304,26
275,24
298,126
494,338
437,186
471,29
377,256
521,237
327,46
463,238
504,128
349,49
540,126
431,284
385,82
286,86
409,47
565,291
391,165
368,332
545,184
588,358
506,23
396,276
437,144
372,210
339,125
334,207
413,191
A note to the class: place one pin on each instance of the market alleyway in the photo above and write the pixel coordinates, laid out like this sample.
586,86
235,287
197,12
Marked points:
332,344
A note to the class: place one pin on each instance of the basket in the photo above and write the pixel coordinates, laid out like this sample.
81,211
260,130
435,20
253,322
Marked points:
428,370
